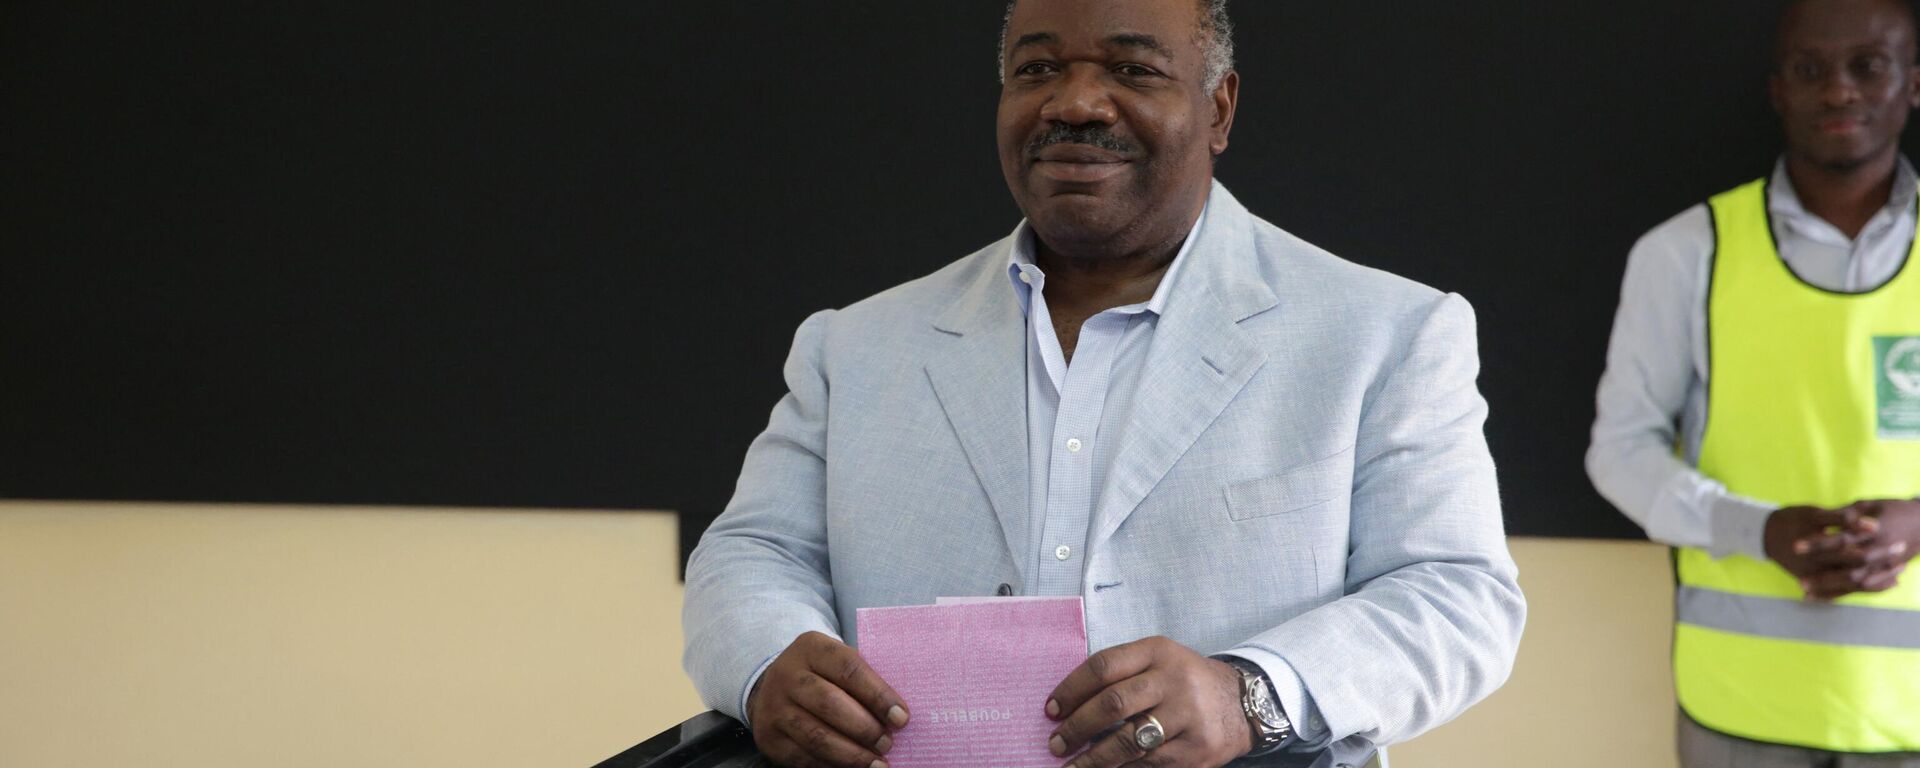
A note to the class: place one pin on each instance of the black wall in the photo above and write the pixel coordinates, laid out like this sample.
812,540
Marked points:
502,253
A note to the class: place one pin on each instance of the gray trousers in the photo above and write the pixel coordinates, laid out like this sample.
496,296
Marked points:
1701,747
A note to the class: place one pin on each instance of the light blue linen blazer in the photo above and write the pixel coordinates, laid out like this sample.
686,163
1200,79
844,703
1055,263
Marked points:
1304,474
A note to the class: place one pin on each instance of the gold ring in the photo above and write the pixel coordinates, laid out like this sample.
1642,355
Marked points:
1149,734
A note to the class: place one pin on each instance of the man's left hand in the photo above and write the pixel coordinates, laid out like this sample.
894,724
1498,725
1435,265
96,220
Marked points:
1868,557
1195,699
1899,522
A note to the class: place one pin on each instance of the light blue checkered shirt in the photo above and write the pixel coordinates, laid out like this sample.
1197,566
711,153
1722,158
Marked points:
1074,412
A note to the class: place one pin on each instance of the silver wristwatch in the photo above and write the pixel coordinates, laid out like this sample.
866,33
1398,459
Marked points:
1269,724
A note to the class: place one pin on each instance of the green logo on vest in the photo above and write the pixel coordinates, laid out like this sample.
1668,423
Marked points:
1896,361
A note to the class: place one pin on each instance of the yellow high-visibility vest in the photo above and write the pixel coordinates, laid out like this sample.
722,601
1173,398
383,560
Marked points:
1813,397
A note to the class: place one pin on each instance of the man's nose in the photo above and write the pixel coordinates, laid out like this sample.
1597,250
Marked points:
1081,98
1840,89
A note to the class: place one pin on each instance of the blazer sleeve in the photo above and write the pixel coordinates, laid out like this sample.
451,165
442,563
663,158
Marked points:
759,577
1433,611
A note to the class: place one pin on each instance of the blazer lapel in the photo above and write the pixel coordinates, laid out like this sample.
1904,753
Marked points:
980,380
1198,362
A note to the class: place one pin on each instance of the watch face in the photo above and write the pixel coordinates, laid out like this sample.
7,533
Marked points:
1263,708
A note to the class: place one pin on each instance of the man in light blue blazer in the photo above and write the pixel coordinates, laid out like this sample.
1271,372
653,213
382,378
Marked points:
1262,467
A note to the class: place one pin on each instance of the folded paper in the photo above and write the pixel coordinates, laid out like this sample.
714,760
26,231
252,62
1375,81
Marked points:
976,674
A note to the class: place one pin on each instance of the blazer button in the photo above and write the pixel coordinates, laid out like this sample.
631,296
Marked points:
1005,590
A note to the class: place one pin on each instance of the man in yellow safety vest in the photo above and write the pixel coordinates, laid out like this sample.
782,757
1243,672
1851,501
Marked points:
1760,412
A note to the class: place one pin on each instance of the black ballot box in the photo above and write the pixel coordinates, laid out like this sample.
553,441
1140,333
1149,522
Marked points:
706,740
713,740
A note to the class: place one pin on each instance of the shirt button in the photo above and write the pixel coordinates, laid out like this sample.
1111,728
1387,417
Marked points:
1026,278
1073,445
1005,590
1062,552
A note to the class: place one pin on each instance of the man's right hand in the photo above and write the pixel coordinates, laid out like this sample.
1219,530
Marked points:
819,705
1833,552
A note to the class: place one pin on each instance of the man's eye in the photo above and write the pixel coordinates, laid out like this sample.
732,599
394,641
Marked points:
1133,70
1808,70
1870,66
1033,69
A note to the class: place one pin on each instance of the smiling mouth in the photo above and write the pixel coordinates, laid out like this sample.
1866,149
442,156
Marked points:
1838,124
1079,172
1078,163
1077,153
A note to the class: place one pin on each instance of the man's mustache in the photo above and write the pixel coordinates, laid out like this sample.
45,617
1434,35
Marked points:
1092,134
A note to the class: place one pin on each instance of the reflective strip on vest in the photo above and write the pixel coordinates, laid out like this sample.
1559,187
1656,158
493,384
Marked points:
1813,397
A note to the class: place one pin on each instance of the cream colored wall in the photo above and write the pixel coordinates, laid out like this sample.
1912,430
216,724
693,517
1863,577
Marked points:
1591,687
174,636
194,635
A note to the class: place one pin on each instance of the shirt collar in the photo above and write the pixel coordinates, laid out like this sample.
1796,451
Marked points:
1783,201
1020,260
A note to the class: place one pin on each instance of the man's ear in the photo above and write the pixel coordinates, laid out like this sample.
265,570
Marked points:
1226,97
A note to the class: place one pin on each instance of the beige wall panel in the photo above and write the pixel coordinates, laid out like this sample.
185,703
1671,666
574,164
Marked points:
163,636
1592,685
194,635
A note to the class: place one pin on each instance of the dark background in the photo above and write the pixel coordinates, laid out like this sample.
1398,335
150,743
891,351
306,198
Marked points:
509,254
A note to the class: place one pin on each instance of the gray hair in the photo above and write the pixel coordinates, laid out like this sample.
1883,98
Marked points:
1215,40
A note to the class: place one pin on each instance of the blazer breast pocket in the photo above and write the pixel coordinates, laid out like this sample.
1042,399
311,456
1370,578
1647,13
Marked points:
1304,489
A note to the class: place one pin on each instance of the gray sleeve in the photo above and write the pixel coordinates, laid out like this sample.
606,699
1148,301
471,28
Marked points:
1655,360
1434,611
759,577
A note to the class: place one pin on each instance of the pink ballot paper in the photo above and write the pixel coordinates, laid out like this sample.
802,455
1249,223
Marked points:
975,673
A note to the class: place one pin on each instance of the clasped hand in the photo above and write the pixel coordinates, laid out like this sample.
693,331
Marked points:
819,705
1861,547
